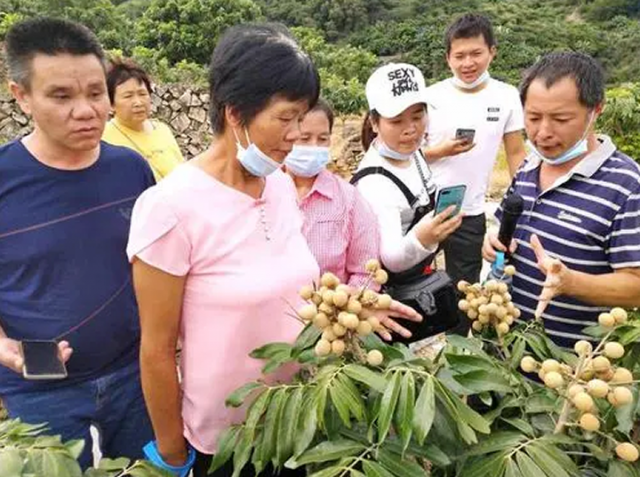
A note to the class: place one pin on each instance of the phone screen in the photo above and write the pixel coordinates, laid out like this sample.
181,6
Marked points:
467,134
41,360
450,196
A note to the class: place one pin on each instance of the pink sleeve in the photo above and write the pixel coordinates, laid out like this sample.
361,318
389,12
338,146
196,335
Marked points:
364,241
157,237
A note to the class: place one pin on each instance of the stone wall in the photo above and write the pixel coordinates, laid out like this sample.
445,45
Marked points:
182,108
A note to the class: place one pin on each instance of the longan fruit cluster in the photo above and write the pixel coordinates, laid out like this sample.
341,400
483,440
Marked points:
596,377
343,313
489,304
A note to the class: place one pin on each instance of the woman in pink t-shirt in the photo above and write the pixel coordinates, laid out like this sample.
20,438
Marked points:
217,248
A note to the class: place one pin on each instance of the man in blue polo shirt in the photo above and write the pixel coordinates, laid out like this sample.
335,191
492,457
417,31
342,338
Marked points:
65,206
577,244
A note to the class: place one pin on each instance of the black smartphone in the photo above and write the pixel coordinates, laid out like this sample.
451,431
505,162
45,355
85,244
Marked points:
467,134
449,196
42,360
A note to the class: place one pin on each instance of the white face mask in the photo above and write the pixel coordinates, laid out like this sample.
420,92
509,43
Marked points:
307,161
386,151
483,78
578,149
256,162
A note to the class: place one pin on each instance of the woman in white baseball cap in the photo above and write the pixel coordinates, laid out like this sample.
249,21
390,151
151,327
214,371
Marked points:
394,176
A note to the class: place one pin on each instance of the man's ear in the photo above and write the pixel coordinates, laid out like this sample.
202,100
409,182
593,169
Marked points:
22,97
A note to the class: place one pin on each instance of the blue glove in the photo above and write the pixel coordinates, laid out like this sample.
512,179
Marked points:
153,456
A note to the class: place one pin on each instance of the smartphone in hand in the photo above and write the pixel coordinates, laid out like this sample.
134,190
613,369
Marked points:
42,360
449,196
466,134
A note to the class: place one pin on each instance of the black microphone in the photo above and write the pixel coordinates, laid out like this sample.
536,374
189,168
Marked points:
512,208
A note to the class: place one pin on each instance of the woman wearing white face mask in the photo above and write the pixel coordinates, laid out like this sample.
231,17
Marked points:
337,220
392,134
217,250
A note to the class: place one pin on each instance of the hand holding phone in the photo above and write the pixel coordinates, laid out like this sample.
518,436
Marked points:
467,135
449,196
44,359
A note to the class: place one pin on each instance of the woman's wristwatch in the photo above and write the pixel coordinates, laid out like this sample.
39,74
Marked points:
153,455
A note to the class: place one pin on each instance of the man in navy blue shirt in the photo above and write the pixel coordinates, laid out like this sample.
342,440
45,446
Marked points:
65,204
578,239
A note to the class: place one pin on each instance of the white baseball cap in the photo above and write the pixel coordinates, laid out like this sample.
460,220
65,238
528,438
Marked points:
394,87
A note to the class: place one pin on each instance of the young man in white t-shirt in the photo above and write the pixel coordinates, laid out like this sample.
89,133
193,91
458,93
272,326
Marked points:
471,100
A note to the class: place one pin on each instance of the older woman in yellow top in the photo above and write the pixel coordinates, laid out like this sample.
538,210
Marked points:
129,90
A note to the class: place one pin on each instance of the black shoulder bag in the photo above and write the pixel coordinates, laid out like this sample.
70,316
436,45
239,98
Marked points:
430,293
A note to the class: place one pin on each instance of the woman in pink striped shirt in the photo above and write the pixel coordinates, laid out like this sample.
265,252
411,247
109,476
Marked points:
340,227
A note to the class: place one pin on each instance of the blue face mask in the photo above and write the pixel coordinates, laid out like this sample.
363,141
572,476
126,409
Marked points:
307,161
483,78
256,162
578,149
386,151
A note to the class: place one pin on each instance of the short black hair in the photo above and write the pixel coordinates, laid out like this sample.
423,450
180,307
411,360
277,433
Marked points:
121,71
582,68
47,36
254,62
470,25
324,107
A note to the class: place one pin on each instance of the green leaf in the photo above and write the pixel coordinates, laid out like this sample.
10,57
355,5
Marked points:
147,469
307,425
114,464
428,451
517,352
11,462
468,415
388,406
354,395
226,446
546,461
528,467
470,344
498,441
291,417
483,381
331,471
242,452
399,466
256,410
237,397
307,337
464,363
511,469
339,398
272,426
425,411
325,452
404,409
373,469
366,376
75,447
620,469
521,425
271,350
492,466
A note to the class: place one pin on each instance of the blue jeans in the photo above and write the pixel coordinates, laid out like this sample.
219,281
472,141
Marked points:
113,403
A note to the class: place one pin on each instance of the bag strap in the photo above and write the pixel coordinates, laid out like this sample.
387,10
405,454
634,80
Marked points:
367,171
